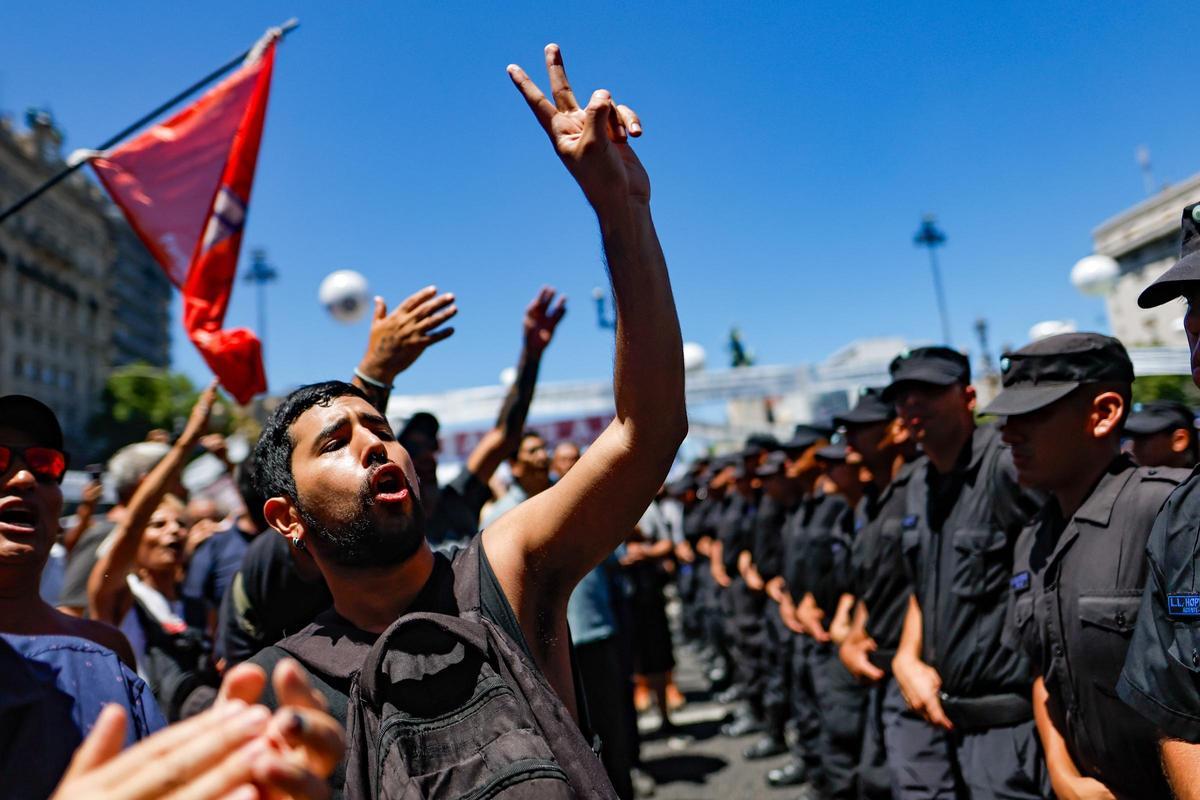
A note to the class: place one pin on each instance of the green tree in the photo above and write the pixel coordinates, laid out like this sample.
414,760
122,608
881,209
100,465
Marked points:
1166,387
138,399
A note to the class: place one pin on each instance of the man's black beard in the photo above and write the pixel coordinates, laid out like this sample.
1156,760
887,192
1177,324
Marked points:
359,543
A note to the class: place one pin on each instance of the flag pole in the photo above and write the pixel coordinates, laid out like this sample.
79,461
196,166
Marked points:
74,164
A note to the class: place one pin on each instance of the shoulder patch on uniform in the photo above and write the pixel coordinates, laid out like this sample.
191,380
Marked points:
909,522
1020,581
1184,604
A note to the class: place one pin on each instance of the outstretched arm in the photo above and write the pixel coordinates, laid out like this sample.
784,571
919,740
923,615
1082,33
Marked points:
106,584
541,319
399,338
542,548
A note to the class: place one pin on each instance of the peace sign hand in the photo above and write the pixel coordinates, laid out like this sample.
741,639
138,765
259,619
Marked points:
593,142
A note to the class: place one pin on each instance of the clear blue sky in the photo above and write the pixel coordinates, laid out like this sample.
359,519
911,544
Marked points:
792,148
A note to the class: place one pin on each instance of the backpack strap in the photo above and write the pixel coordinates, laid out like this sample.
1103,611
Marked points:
327,648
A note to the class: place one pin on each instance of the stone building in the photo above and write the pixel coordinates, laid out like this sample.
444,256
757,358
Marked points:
1144,241
78,293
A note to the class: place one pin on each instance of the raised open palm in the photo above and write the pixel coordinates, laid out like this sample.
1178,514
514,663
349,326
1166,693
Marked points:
593,142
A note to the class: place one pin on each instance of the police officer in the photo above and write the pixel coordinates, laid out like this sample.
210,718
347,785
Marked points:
1161,678
878,579
779,502
1162,433
964,510
1079,566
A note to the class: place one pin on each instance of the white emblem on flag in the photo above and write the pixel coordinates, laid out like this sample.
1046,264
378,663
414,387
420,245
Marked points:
228,214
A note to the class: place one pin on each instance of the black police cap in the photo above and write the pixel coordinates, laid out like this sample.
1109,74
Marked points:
806,435
1158,416
870,408
832,452
1050,369
938,365
772,465
1175,282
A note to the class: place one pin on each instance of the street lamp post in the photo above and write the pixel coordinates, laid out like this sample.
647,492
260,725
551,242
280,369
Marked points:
930,237
260,274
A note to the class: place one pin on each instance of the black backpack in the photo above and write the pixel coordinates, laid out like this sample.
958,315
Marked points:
448,706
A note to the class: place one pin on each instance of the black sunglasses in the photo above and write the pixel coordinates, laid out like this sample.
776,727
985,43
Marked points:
46,463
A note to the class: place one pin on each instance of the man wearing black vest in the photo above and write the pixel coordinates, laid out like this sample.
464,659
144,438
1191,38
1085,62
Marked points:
964,510
340,485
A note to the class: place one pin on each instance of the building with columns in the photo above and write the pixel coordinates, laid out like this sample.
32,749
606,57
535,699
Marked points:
79,294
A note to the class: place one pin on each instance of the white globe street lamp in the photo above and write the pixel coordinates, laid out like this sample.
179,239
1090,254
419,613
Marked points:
1095,275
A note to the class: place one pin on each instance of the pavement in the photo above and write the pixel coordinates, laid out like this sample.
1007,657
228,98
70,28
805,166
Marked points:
695,762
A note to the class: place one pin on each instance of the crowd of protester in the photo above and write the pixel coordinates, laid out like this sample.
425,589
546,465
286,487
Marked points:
921,599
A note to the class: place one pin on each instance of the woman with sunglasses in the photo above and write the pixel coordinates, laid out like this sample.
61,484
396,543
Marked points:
135,584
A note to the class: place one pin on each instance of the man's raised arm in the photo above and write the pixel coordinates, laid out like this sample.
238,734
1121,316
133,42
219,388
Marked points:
542,548
541,318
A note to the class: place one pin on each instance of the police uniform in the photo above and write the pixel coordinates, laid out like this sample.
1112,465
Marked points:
744,607
958,537
1161,676
880,583
821,566
776,650
1077,582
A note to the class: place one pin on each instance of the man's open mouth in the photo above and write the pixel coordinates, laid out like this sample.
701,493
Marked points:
16,517
389,485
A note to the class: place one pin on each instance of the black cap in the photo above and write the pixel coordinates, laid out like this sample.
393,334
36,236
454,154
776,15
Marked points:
1050,369
773,465
33,416
941,366
806,435
1159,416
680,487
870,408
832,452
1174,282
421,422
758,442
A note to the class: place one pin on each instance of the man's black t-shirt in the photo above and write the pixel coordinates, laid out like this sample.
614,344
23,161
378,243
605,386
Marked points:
456,518
266,600
436,596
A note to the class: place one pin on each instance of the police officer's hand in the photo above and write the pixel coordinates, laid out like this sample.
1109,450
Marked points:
1081,788
787,613
593,142
812,619
920,684
855,652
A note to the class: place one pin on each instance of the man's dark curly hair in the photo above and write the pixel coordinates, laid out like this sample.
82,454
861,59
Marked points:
273,453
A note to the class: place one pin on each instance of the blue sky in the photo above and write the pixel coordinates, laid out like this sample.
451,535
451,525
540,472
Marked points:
792,148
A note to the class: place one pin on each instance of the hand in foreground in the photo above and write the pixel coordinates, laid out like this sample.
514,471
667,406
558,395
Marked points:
920,684
593,142
399,338
541,321
310,742
220,753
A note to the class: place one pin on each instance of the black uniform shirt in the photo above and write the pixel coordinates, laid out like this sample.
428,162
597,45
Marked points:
1161,678
877,563
958,536
768,537
735,530
816,543
1076,589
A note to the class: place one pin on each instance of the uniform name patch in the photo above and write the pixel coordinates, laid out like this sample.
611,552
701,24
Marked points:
1183,605
1019,582
909,522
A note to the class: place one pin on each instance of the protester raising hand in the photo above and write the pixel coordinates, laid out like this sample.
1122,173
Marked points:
593,142
398,339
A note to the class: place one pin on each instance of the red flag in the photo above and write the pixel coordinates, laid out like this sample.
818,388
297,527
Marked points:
184,186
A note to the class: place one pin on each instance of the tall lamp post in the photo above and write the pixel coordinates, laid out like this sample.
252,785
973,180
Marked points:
930,237
260,274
